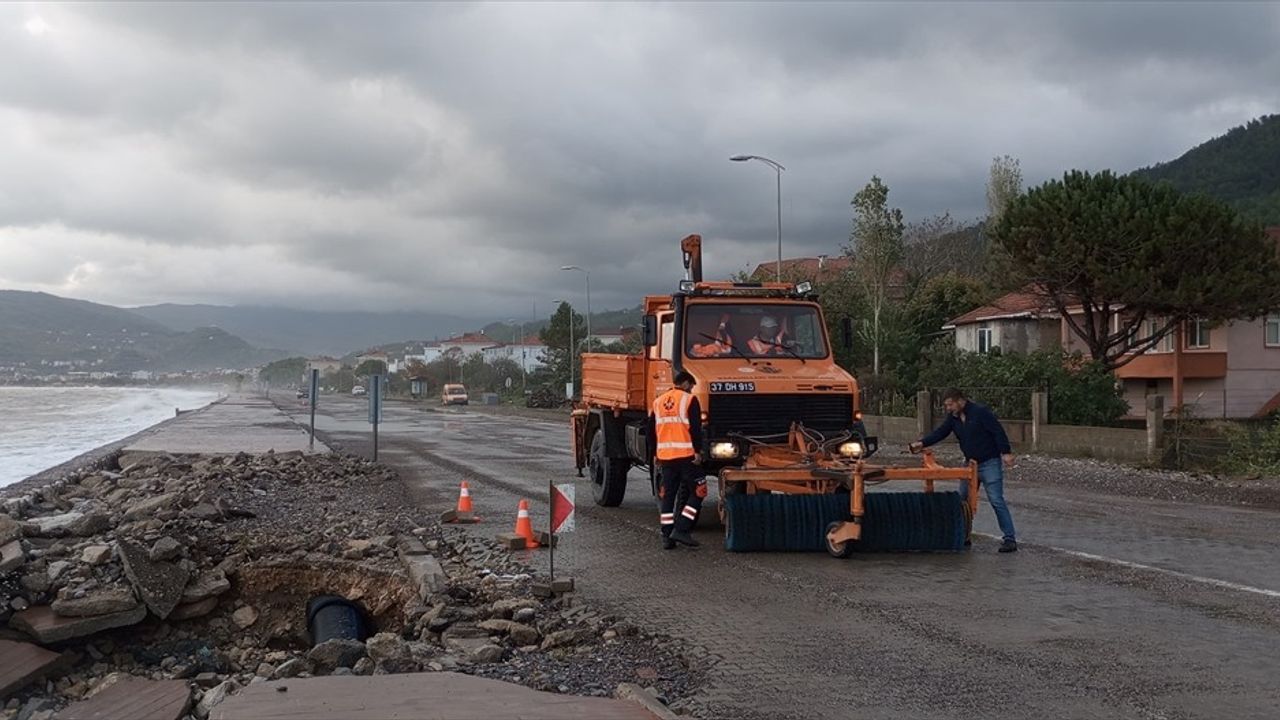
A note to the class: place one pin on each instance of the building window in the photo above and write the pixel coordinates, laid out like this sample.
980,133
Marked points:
1198,334
1273,331
984,338
1166,343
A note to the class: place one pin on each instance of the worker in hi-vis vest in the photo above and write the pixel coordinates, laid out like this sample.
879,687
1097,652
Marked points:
677,432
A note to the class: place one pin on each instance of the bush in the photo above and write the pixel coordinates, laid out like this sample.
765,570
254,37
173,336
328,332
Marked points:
1081,392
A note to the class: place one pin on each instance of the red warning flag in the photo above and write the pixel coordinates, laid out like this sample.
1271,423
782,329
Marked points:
562,499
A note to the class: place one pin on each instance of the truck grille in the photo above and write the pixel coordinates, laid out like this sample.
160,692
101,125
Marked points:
752,414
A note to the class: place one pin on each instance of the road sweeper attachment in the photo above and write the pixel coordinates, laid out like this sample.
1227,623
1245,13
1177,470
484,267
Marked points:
805,496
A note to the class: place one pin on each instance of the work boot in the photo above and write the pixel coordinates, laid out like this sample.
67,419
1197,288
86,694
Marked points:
668,543
684,538
1009,546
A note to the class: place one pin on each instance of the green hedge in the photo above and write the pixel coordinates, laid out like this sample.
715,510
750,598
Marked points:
1081,392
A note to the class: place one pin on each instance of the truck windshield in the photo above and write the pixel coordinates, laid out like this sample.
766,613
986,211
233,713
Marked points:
754,331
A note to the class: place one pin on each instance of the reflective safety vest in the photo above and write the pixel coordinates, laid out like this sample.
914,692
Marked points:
671,424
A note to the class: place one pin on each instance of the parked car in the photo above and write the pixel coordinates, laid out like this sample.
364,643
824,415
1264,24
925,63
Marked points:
453,394
302,394
357,390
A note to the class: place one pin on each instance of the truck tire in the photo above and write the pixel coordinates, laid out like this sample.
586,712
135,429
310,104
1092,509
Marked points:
608,475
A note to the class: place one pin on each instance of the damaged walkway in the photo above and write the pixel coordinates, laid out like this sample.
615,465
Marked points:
240,423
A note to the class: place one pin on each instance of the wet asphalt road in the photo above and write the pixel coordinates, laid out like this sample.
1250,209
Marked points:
1115,607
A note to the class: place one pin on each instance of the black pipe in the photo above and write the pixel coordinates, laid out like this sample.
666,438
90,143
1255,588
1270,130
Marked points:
333,617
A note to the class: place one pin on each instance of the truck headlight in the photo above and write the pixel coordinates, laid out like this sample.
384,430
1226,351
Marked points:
724,450
851,449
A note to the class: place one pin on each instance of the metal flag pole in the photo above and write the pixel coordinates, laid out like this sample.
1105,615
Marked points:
551,526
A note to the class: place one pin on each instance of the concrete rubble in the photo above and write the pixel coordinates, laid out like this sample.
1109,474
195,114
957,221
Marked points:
200,568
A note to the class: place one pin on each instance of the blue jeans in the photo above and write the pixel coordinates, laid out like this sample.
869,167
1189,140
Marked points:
991,477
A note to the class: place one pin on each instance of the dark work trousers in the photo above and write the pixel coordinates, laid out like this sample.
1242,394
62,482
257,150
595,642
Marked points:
676,474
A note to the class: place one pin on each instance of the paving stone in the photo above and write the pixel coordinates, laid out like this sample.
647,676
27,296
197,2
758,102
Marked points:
46,627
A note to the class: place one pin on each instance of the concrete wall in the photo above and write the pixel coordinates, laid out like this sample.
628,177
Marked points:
1116,444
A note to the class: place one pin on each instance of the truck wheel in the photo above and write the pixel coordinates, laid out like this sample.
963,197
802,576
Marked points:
608,475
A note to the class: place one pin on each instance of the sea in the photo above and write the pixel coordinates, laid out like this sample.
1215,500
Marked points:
41,427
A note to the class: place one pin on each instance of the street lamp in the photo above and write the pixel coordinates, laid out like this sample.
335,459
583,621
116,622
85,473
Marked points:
572,354
778,170
588,276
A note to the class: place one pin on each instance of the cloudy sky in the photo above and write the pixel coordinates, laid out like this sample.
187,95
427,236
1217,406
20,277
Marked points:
452,157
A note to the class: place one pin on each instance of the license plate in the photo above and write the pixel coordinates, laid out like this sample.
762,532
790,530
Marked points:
733,387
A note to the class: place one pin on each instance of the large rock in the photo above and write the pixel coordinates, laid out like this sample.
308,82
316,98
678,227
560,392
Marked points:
10,529
96,555
209,584
159,584
166,548
150,506
106,601
245,617
45,627
565,638
507,607
332,654
193,610
56,525
214,696
11,556
391,653
520,634
90,524
486,654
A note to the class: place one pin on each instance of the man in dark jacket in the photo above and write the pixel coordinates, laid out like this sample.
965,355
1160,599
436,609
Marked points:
982,439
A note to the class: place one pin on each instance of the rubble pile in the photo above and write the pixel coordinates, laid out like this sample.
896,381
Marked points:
200,569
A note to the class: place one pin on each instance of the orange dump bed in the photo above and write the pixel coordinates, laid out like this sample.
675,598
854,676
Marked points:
614,381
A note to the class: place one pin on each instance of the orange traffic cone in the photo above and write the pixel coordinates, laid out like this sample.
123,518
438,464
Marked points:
524,527
464,512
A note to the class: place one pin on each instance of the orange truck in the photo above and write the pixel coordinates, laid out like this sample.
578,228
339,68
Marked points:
780,416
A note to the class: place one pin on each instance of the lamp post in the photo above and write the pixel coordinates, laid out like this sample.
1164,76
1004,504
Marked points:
571,346
588,276
777,169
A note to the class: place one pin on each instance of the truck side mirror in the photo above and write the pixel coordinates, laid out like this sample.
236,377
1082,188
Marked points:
846,332
650,332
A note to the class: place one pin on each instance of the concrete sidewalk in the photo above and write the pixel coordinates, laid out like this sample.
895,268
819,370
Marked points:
240,423
418,696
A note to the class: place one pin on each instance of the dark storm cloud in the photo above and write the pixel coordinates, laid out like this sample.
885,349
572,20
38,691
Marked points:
454,156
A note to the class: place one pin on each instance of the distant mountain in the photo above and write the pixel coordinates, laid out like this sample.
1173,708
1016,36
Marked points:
308,332
42,331
1241,168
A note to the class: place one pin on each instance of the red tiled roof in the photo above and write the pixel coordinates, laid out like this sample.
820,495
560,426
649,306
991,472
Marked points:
1016,304
470,339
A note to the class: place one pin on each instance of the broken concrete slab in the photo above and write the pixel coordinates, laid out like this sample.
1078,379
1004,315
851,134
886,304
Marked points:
426,574
146,508
23,663
10,529
90,524
209,584
52,525
135,699
106,601
11,556
46,627
159,584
